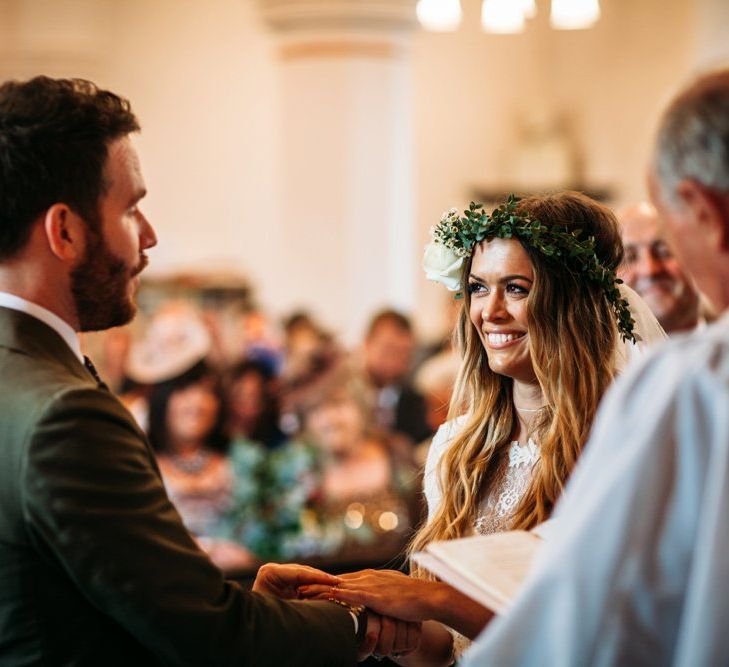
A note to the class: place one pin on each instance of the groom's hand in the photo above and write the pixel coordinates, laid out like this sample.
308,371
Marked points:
283,581
387,636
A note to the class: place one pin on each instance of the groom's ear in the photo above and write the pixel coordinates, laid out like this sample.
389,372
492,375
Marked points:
65,233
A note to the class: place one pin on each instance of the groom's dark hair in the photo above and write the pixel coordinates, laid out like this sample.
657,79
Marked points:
54,138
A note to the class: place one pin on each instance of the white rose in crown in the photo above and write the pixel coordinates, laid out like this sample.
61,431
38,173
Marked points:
443,265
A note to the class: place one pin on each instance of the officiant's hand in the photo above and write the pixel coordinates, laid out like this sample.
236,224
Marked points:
284,581
386,592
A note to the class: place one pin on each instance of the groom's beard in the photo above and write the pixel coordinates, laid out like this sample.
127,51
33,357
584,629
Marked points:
100,287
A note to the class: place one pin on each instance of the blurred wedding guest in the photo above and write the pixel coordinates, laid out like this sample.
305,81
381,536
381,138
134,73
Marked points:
253,404
175,339
387,357
435,380
365,478
652,269
240,331
637,571
261,342
308,349
186,430
96,567
442,342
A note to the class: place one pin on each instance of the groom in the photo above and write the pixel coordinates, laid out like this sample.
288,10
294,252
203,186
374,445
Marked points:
96,567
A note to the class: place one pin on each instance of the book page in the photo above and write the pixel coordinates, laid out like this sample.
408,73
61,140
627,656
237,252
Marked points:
453,578
488,568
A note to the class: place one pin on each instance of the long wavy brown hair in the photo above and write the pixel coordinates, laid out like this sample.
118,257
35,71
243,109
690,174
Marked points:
572,337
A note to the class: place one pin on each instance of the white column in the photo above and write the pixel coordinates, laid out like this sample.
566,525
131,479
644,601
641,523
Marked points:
346,230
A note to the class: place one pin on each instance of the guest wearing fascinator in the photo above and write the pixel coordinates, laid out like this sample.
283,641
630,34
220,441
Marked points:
185,423
174,340
543,330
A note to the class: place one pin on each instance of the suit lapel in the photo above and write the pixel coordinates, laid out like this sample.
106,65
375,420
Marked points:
24,333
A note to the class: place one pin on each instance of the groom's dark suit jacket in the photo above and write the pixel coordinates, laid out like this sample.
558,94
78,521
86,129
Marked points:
96,567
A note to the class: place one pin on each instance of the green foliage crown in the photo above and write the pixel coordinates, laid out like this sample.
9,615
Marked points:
461,233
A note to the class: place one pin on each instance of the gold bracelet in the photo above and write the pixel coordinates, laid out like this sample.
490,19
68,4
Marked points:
360,613
356,609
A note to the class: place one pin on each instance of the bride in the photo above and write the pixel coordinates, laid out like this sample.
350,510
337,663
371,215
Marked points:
543,329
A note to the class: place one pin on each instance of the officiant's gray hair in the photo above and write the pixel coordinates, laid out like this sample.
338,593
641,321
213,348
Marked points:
693,137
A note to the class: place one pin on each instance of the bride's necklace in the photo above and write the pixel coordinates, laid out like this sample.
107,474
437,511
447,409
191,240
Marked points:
529,409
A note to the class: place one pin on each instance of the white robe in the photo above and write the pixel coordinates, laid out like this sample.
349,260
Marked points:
636,571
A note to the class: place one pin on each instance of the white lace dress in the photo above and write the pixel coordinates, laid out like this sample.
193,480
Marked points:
505,487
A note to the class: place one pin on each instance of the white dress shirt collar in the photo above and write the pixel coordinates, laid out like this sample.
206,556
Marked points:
61,327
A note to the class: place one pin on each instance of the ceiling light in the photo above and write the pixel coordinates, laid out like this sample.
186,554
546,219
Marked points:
439,15
504,16
574,14
529,8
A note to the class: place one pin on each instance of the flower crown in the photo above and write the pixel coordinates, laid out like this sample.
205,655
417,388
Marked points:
454,238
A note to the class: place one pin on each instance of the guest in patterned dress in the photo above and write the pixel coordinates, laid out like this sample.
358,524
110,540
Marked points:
542,331
186,431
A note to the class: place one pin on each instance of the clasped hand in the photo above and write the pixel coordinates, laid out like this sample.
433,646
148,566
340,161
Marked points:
385,635
385,592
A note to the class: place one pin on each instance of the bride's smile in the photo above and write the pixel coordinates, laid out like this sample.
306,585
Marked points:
499,284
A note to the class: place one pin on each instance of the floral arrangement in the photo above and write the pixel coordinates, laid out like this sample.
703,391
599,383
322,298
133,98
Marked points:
278,512
272,492
455,236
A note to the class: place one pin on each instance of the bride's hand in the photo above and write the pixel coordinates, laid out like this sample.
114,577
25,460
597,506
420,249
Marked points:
384,591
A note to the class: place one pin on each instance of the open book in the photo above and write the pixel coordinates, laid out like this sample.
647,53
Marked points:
488,568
